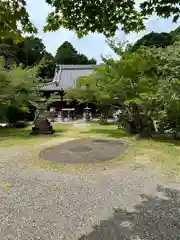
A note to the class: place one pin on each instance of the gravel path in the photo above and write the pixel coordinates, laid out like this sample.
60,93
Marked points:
103,204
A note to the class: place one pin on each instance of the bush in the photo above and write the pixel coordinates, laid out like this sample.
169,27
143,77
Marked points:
103,121
15,114
21,124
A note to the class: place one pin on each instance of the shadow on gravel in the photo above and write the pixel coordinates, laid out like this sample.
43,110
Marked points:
154,218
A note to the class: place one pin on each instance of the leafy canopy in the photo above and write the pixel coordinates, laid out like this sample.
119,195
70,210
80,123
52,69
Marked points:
85,16
47,66
30,51
154,39
104,16
67,54
14,19
17,87
144,84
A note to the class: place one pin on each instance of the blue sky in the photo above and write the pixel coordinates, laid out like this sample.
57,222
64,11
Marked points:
93,45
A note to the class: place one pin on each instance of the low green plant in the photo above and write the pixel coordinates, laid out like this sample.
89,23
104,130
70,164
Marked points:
21,124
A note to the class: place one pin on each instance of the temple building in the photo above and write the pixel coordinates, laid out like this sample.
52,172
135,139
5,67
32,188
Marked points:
65,77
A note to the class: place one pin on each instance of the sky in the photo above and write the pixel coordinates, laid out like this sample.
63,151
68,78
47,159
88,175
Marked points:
92,45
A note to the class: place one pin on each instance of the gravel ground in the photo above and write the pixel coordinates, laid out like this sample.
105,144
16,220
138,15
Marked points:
103,204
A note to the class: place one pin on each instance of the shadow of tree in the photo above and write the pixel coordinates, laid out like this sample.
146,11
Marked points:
154,218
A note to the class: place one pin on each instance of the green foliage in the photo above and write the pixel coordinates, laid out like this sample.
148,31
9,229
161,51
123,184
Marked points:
8,50
103,121
176,34
91,16
88,90
47,67
157,39
67,54
30,51
16,113
154,40
21,124
17,87
84,16
144,84
150,82
104,16
163,8
170,88
82,92
14,19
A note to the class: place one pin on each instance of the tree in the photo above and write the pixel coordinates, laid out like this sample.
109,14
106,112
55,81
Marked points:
148,82
157,39
14,19
84,59
90,90
85,16
47,66
144,84
104,16
169,90
17,87
176,34
67,54
154,40
30,51
8,52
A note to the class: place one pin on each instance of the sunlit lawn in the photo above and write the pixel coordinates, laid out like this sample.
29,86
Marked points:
165,154
21,136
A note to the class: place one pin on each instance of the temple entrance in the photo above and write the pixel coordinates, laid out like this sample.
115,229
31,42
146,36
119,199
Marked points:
67,115
61,111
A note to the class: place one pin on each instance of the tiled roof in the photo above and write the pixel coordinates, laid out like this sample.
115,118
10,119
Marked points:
49,87
66,76
76,66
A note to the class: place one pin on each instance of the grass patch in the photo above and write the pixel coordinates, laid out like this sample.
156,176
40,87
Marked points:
165,154
109,131
17,136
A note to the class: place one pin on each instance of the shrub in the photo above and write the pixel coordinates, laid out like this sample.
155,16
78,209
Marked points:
21,124
16,113
103,121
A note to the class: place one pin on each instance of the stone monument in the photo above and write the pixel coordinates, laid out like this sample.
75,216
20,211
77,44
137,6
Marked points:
41,123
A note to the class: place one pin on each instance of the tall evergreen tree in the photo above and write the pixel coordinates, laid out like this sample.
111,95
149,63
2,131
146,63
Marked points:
30,51
67,54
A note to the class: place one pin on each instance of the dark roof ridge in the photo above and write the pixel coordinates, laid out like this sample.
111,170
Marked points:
76,66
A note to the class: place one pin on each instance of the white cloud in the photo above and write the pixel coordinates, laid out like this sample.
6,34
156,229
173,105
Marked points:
92,45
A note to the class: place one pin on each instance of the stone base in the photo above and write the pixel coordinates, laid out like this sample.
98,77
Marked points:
36,131
42,126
